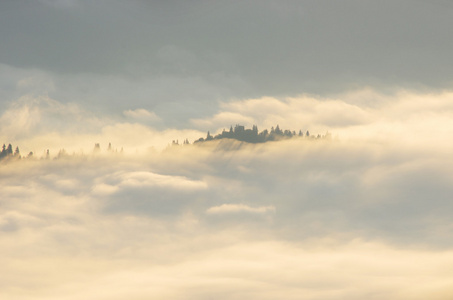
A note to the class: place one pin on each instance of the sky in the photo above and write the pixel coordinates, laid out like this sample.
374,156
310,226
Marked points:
363,215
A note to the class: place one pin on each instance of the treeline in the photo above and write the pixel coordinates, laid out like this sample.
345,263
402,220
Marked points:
240,133
8,153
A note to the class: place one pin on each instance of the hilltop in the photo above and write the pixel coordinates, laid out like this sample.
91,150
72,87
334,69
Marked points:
240,133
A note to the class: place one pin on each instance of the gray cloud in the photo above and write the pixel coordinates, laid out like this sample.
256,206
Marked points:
171,57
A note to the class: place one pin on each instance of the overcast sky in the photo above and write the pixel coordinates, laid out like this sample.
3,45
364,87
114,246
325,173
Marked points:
179,58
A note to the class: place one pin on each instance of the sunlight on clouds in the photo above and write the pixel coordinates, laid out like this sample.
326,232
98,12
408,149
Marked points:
295,113
19,120
137,137
226,118
35,120
237,208
137,179
360,115
103,189
253,269
40,123
141,114
366,215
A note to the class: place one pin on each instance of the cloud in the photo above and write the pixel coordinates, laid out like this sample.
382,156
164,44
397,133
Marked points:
295,113
223,118
318,51
148,179
102,189
410,119
38,123
363,114
244,220
64,4
238,208
141,114
32,115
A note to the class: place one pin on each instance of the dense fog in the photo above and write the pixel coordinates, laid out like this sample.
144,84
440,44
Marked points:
365,214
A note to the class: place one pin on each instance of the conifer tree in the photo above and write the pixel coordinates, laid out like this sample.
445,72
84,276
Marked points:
208,136
3,153
9,150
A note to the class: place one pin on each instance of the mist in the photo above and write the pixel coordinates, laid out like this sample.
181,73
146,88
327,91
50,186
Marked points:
323,218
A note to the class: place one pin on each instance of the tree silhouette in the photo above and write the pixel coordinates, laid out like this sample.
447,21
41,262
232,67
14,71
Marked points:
97,148
240,133
3,153
209,136
9,150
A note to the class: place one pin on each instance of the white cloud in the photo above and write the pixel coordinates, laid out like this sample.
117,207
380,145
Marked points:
141,114
224,119
40,123
238,208
256,221
363,114
31,116
139,179
103,189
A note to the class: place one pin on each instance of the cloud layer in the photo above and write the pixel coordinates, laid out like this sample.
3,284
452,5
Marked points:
364,215
179,60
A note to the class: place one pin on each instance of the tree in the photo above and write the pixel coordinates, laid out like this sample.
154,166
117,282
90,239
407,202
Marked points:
240,133
97,148
9,150
62,153
208,136
3,153
17,152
